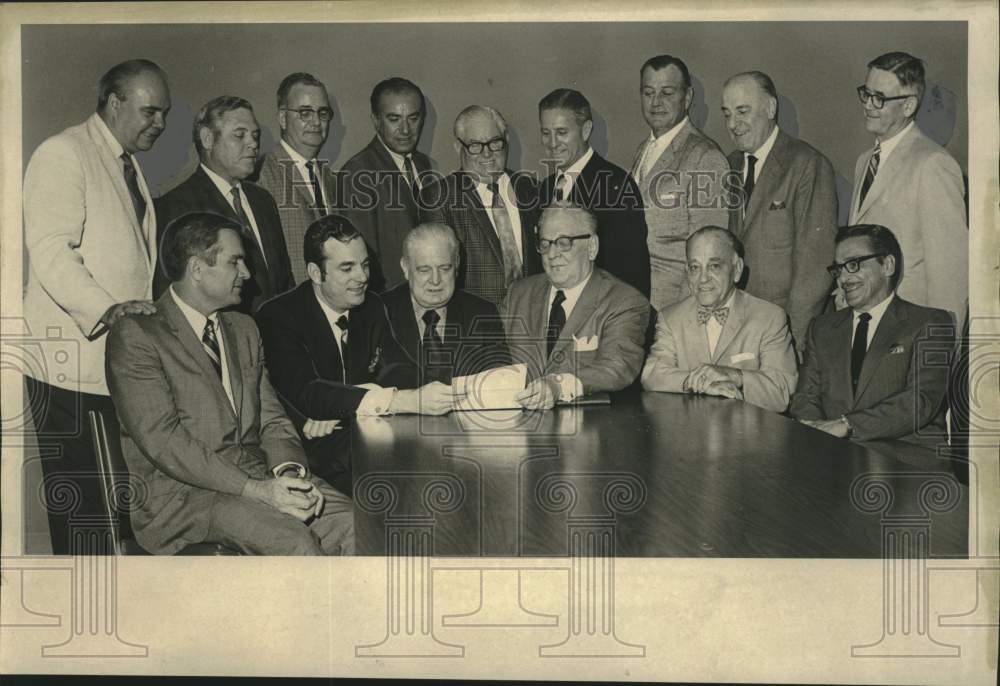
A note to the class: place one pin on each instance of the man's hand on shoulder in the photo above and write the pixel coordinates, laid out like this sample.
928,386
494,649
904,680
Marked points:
119,310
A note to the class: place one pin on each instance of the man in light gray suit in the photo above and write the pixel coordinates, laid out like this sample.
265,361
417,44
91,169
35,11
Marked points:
720,340
302,185
90,236
680,172
578,328
911,185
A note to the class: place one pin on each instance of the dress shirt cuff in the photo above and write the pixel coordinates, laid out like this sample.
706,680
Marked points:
300,469
570,387
376,401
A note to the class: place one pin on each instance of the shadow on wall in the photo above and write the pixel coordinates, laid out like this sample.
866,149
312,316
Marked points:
938,114
172,158
698,112
788,116
599,136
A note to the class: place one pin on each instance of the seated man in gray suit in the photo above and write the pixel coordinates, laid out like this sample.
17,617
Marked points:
202,429
720,340
878,368
578,328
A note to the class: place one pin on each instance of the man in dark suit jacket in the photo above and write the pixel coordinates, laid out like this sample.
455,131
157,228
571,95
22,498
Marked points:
587,179
448,332
381,181
492,211
331,351
227,138
877,369
788,224
291,172
202,429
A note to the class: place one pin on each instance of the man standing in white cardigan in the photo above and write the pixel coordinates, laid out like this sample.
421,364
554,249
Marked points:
89,232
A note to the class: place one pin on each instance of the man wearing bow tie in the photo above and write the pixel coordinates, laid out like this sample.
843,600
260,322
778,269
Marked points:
331,351
878,368
721,340
786,209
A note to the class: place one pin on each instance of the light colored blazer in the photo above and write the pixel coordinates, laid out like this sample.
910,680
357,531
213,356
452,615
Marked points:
181,438
280,177
675,209
918,194
601,343
86,251
754,339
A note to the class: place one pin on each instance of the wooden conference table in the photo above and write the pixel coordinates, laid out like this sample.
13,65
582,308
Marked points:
651,475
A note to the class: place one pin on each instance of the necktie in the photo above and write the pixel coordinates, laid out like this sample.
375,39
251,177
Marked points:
431,338
557,320
561,187
317,191
138,202
870,173
859,348
410,172
505,232
342,325
432,353
748,184
211,345
706,313
256,261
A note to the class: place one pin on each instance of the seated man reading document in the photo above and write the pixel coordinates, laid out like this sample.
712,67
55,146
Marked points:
721,340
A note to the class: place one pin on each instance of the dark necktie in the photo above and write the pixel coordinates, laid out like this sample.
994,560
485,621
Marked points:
748,184
557,320
317,191
721,314
870,173
211,345
432,353
505,232
138,202
256,261
859,348
431,338
410,172
342,325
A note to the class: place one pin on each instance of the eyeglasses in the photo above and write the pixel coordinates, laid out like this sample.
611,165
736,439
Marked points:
564,243
852,265
308,114
878,100
476,147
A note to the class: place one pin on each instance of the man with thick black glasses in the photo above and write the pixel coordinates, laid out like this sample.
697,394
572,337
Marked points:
877,369
302,184
912,185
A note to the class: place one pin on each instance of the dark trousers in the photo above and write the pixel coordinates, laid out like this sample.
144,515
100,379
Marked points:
71,484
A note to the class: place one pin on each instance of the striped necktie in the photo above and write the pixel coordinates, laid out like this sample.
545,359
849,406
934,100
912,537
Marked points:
870,173
211,345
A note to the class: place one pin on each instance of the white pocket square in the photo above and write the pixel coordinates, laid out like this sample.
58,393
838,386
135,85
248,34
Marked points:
741,357
585,344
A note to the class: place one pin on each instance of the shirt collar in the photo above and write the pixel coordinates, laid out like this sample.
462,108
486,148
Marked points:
764,150
669,134
889,144
574,169
502,182
400,160
571,294
294,154
877,311
332,315
195,318
109,138
419,310
224,186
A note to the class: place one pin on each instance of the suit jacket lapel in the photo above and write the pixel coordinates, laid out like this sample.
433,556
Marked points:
481,216
668,160
299,184
733,324
582,312
698,334
234,363
885,334
324,341
767,180
889,168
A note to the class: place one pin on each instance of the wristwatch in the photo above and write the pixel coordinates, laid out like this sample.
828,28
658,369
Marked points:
850,429
291,469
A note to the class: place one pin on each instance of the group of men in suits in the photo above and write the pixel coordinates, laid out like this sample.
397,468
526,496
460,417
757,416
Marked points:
406,281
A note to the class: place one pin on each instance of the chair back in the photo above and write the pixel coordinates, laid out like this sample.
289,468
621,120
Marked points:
113,473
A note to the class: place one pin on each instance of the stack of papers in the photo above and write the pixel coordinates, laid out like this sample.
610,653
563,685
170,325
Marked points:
493,389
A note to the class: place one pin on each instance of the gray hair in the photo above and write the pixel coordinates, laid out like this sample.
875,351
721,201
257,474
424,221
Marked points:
478,111
432,231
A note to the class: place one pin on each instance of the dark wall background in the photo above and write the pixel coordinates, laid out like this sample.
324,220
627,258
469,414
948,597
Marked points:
816,66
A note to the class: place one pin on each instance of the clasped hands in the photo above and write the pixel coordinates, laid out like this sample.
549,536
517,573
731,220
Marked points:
292,495
711,379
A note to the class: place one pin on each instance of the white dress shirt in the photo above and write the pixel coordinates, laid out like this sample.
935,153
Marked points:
300,165
876,312
569,385
378,399
761,154
400,161
656,146
567,177
889,144
197,321
506,189
227,192
714,329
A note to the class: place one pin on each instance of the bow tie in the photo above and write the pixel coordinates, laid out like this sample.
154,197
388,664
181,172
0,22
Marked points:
720,314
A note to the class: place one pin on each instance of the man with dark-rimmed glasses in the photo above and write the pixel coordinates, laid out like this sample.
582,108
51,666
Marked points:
302,184
579,329
912,185
877,369
491,210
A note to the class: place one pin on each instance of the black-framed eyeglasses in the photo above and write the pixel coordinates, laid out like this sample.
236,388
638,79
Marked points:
564,243
852,265
308,114
476,147
878,100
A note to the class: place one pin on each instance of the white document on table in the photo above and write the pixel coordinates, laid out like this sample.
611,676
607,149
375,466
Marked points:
493,389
